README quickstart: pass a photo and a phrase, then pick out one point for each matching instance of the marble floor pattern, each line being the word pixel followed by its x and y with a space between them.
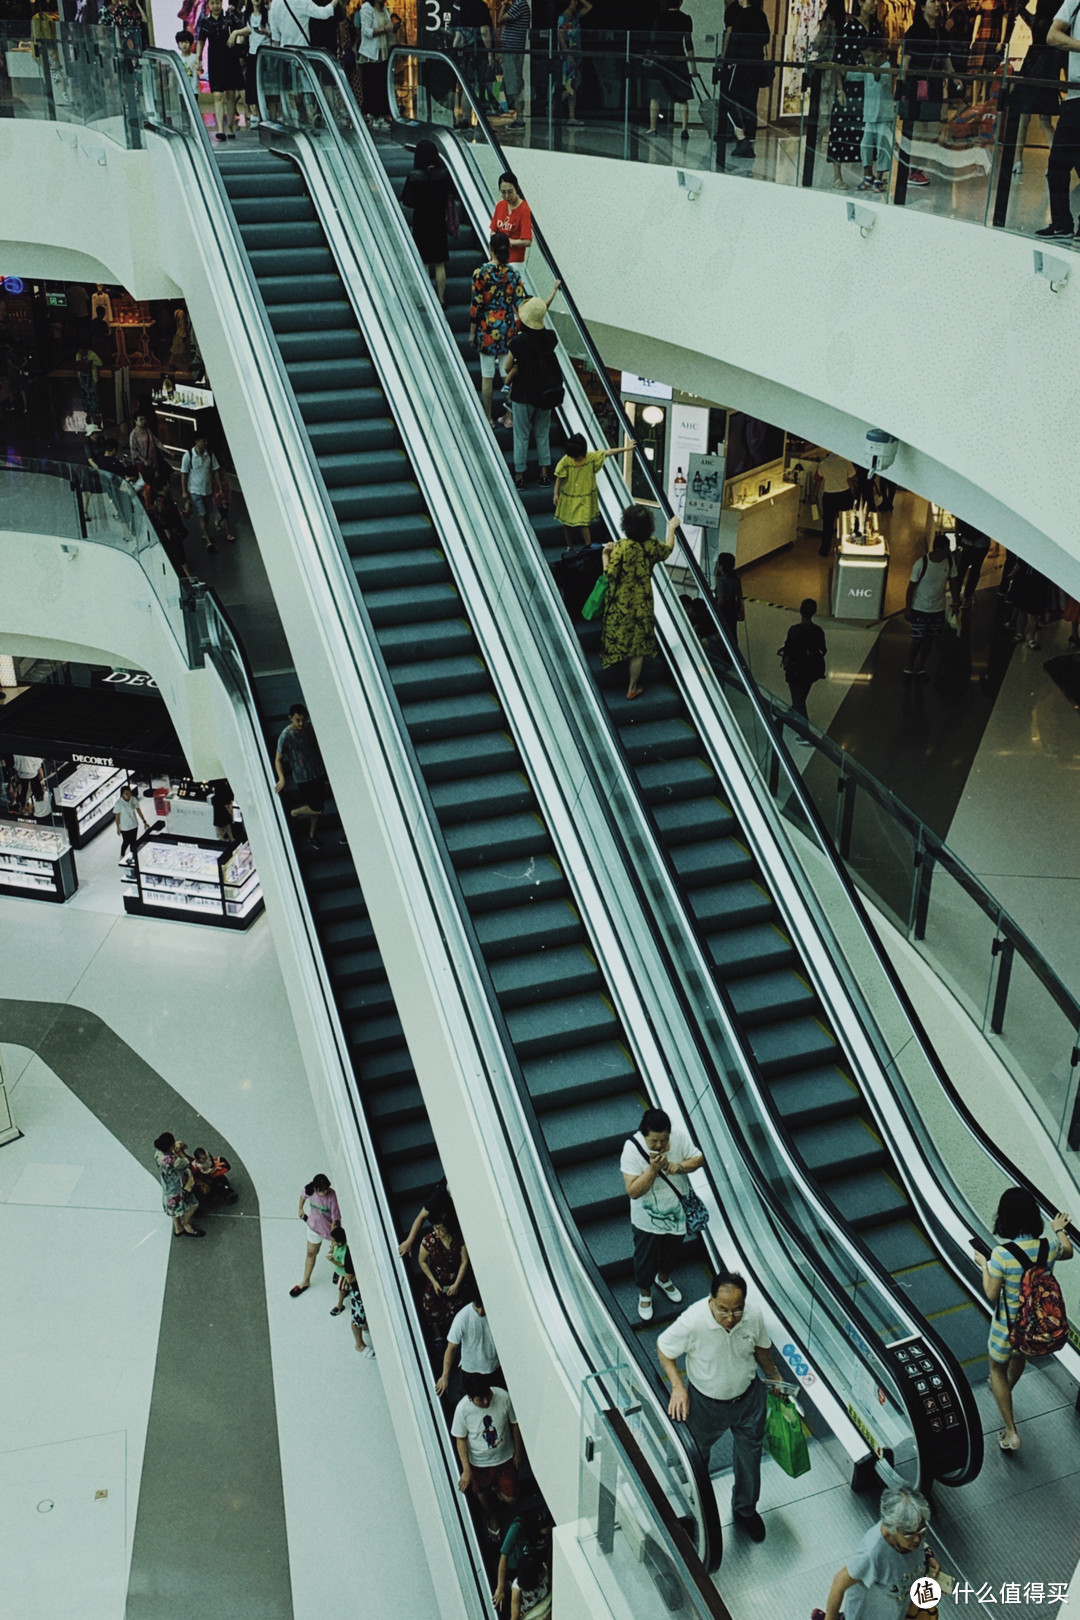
pixel 95 1328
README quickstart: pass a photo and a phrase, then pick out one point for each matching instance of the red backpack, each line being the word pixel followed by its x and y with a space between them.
pixel 1040 1327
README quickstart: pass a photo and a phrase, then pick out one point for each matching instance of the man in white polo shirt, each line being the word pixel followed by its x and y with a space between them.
pixel 725 1342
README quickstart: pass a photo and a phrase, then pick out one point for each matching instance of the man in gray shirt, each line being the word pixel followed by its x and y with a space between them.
pixel 298 753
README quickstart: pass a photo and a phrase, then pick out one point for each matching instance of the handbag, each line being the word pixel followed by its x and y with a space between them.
pixel 697 1216
pixel 922 90
pixel 594 606
pixel 453 216
pixel 784 1436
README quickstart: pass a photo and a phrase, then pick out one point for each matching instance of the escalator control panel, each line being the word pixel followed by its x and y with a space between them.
pixel 933 1404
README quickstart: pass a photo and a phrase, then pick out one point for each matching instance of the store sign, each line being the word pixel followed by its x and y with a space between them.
pixel 14 285
pixel 704 490
pixel 644 387
pixel 93 759
pixel 129 677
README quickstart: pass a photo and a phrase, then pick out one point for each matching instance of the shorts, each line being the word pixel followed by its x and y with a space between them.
pixel 925 626
pixel 312 794
pixel 356 1309
pixel 492 365
pixel 513 66
pixel 314 1237
pixel 202 504
pixel 502 1478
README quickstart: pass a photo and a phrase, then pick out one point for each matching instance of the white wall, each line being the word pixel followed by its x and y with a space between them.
pixel 766 298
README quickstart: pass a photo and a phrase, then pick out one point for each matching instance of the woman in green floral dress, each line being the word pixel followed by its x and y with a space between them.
pixel 629 616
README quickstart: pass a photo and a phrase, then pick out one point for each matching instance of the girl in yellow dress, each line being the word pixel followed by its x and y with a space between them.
pixel 577 501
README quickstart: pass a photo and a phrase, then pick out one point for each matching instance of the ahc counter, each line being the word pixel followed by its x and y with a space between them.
pixel 861 568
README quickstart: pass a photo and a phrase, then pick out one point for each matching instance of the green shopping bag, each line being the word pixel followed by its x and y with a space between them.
pixel 784 1436
pixel 595 604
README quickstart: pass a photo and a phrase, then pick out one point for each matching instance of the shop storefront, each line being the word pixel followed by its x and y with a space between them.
pixel 66 753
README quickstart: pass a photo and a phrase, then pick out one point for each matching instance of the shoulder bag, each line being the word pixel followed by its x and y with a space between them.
pixel 697 1216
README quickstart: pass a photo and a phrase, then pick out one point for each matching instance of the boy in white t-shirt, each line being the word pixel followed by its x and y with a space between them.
pixel 655 1164
pixel 189 57
pixel 489 1445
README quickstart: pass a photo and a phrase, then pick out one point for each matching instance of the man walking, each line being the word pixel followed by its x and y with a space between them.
pixel 298 753
pixel 725 1342
pixel 1065 149
pixel 803 658
pixel 836 492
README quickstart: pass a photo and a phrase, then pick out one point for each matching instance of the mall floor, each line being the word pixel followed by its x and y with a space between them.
pixel 177 1429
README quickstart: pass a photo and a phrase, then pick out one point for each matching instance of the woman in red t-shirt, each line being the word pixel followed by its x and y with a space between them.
pixel 513 218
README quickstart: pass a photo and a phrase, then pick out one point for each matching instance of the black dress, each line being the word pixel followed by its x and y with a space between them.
pixel 224 68
pixel 427 192
pixel 672 40
pixel 846 123
pixel 1042 61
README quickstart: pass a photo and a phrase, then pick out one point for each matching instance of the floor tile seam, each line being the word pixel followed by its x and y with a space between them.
pixel 43 1445
pixel 69 998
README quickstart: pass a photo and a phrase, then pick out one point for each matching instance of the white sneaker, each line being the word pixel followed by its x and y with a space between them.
pixel 644 1307
pixel 670 1290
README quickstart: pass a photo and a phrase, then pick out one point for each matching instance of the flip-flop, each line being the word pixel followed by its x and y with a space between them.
pixel 337 1310
pixel 301 1288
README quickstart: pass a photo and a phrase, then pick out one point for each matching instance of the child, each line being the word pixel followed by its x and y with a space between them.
pixel 879 117
pixel 348 1293
pixel 576 499
pixel 189 57
pixel 211 1177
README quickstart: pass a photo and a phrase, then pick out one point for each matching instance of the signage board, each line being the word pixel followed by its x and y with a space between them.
pixel 704 490
pixel 644 387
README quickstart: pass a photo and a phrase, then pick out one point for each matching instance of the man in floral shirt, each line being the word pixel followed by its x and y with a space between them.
pixel 497 290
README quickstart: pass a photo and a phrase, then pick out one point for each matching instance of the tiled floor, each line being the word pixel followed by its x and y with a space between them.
pixel 87 1251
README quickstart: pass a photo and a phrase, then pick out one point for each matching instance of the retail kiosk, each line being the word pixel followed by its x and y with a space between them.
pixel 861 568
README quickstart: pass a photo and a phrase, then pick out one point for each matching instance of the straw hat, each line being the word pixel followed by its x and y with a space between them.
pixel 533 313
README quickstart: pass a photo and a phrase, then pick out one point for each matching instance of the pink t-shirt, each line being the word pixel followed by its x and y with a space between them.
pixel 322 1212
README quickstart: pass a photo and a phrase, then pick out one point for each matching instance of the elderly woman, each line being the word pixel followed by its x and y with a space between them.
pixel 1019 1222
pixel 875 1583
pixel 629 615
pixel 177 1184
pixel 655 1164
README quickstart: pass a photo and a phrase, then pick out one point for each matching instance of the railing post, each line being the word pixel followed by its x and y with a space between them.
pixel 626 104
pixel 774 768
pixel 846 787
pixel 191 606
pixel 1006 950
pixel 609 1481
pixel 924 863
pixel 1073 1137
pixel 1006 152
pixel 813 118
pixel 721 116
pixel 80 510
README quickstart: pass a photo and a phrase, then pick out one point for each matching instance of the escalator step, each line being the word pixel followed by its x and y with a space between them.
pixel 765 997
pixel 441 639
pixel 296 291
pixel 798 1043
pixel 839 1148
pixel 660 702
pixel 446 759
pixel 965 1332
pixel 347 470
pixel 572 1022
pixel 690 820
pixel 356 374
pixel 543 924
pixel 404 532
pixel 269 236
pixel 502 838
pixel 545 977
pixel 730 905
pixel 513 883
pixel 453 716
pixel 610 1242
pixel 333 315
pixel 868 1198
pixel 410 1181
pixel 660 740
pixel 675 779
pixel 405 1142
pixel 594 1191
pixel 297 261
pixel 260 182
pixel 395 1105
pixel 336 905
pixel 341 404
pixel 361 435
pixel 354 934
pixel 931 1288
pixel 711 859
pixel 339 346
pixel 822 1094
pixel 499 793
pixel 756 949
pixel 384 499
pixel 356 967
pixel 593 1131
pixel 373 999
pixel 605 1069
pixel 437 599
pixel 449 675
pixel 408 569
pixel 390 1067
pixel 270 211
pixel 898 1244
pixel 368 1035
pixel 328 872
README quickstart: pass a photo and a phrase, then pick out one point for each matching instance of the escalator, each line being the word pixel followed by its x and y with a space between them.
pixel 757 966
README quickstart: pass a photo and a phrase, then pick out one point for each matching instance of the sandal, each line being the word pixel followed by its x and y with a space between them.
pixel 337 1310
pixel 195 1231
pixel 301 1288
pixel 635 693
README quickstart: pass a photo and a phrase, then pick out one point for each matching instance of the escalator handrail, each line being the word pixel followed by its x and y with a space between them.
pixel 740 676
pixel 478 968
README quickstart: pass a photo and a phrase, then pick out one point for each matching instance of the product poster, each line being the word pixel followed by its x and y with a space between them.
pixel 688 435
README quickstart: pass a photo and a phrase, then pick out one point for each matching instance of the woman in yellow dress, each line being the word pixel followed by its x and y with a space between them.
pixel 629 616
pixel 577 500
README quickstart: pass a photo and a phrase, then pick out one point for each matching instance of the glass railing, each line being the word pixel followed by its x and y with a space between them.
pixel 997 973
pixel 72 73
pixel 939 141
pixel 82 504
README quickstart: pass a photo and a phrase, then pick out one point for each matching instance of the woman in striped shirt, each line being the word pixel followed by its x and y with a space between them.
pixel 1019 1223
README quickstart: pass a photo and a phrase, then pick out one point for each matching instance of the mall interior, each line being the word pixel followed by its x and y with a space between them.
pixel 334 842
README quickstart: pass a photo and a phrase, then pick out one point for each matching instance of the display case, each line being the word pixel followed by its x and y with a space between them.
pixel 86 798
pixel 861 567
pixel 761 514
pixel 192 880
pixel 36 863
pixel 181 416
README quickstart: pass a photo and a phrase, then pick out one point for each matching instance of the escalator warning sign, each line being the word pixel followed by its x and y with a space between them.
pixel 1074 1337
pixel 865 1430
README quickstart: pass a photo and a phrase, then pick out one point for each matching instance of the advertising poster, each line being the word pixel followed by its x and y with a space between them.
pixel 688 435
